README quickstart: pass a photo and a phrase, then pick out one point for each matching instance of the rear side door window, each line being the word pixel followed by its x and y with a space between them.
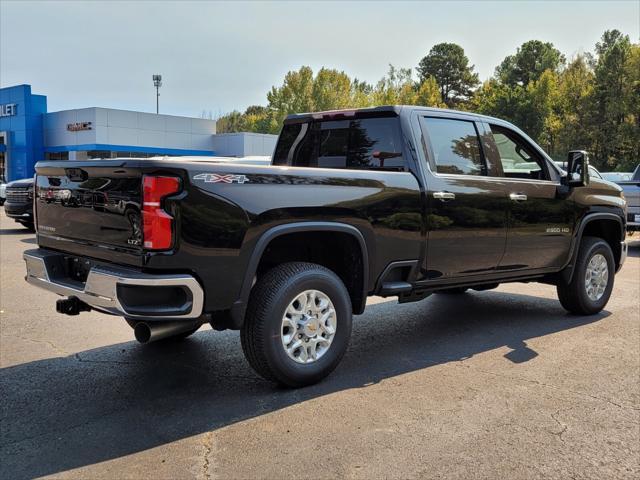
pixel 358 144
pixel 454 146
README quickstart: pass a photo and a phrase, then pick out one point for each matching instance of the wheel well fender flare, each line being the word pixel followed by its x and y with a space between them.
pixel 240 305
pixel 569 269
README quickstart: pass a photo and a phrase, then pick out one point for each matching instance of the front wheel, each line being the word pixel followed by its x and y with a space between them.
pixel 297 325
pixel 592 282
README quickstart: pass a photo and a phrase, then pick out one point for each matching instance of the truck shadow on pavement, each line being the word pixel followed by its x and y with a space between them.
pixel 14 231
pixel 68 412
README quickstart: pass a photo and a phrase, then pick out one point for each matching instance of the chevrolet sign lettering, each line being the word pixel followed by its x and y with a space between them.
pixel 78 126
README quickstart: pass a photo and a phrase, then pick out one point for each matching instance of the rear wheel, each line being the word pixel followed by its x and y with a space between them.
pixel 592 282
pixel 297 325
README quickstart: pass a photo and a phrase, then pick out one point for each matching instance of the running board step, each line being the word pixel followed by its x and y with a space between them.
pixel 390 289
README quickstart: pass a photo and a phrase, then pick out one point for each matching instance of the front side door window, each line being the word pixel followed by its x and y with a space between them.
pixel 519 159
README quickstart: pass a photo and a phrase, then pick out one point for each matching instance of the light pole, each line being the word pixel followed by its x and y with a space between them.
pixel 157 82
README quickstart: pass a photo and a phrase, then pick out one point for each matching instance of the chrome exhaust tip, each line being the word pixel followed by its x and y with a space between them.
pixel 147 332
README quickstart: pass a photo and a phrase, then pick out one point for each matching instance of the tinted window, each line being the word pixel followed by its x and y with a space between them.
pixel 370 143
pixel 455 146
pixel 518 159
pixel 594 173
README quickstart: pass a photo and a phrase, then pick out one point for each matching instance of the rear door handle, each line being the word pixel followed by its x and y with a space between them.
pixel 518 197
pixel 444 195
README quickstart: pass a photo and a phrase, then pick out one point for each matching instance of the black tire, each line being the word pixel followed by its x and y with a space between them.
pixel 28 225
pixel 573 295
pixel 453 291
pixel 262 329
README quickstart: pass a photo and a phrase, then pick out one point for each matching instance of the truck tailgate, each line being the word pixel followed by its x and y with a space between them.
pixel 91 203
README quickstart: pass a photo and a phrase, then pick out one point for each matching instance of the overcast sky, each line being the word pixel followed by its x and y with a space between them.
pixel 219 56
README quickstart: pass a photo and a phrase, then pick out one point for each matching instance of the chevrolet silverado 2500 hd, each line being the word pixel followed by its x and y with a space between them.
pixel 391 201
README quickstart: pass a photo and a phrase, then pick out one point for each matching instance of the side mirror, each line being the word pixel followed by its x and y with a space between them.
pixel 577 169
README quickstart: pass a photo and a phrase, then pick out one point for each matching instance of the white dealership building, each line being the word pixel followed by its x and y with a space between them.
pixel 29 133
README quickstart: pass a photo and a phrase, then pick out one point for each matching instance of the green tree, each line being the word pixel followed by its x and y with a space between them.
pixel 542 114
pixel 575 91
pixel 396 87
pixel 331 90
pixel 632 123
pixel 530 61
pixel 428 94
pixel 230 122
pixel 360 93
pixel 500 100
pixel 613 97
pixel 449 66
pixel 295 95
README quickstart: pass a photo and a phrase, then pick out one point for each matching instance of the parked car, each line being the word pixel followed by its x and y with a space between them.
pixel 593 171
pixel 390 201
pixel 631 191
pixel 617 177
pixel 3 193
pixel 19 202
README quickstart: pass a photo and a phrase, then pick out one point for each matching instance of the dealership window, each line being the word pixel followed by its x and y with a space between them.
pixel 93 154
pixel 56 155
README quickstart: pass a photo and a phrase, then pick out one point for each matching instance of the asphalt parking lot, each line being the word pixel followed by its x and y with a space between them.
pixel 491 384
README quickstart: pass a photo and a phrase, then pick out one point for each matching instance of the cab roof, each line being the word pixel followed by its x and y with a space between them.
pixel 384 110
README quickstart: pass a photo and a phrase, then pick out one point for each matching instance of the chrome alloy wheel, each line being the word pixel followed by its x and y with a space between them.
pixel 308 326
pixel 596 277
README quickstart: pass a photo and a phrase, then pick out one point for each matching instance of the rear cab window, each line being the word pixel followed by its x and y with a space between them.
pixel 357 144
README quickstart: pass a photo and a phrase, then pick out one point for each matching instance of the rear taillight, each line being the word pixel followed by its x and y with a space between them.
pixel 157 224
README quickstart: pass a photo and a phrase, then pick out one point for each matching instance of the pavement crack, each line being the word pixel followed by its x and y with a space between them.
pixel 207 447
pixel 555 387
pixel 84 360
pixel 44 342
pixel 563 426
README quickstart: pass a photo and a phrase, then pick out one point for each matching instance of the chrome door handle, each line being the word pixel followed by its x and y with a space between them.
pixel 444 195
pixel 518 197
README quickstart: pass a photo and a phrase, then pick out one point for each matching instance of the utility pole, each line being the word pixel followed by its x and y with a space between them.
pixel 157 82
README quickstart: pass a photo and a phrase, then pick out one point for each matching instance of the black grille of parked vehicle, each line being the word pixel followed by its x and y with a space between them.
pixel 18 195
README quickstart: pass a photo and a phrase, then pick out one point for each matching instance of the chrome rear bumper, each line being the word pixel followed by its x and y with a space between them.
pixel 103 289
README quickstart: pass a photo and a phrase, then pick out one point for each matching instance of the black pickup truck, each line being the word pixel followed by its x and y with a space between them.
pixel 391 201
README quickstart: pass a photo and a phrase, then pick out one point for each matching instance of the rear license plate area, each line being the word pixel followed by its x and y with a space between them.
pixel 77 268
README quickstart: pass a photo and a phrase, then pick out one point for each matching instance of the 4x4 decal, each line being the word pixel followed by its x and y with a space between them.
pixel 218 178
